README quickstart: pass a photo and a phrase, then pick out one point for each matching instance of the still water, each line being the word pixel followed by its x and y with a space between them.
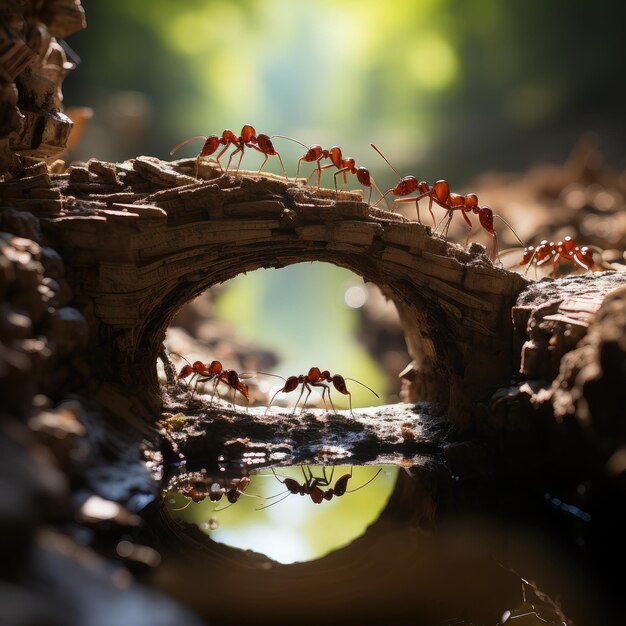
pixel 402 545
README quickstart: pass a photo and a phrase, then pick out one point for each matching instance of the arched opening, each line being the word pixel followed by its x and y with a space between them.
pixel 283 322
pixel 426 324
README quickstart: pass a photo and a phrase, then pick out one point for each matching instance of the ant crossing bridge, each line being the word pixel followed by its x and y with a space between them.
pixel 143 237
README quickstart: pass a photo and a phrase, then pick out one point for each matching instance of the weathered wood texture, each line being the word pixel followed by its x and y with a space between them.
pixel 143 237
pixel 33 65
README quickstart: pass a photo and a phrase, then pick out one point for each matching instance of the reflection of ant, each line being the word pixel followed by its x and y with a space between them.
pixel 248 139
pixel 311 486
pixel 316 378
pixel 440 194
pixel 316 153
pixel 213 371
pixel 550 252
pixel 197 492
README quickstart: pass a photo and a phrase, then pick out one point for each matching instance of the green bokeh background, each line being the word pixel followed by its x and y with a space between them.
pixel 446 88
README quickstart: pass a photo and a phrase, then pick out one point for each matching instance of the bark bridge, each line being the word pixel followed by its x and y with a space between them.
pixel 143 237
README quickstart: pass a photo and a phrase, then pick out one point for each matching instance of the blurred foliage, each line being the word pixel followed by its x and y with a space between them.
pixel 294 529
pixel 446 88
pixel 300 312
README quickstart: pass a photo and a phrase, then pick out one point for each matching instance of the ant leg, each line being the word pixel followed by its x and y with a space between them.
pixel 282 165
pixel 262 164
pixel 272 400
pixel 239 149
pixel 469 227
pixel 324 390
pixel 343 173
pixel 307 396
pixel 219 156
pixel 430 208
pixel 298 400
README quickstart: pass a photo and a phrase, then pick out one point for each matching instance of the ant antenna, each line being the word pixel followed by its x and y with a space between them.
pixel 184 143
pixel 273 503
pixel 510 228
pixel 290 139
pixel 367 483
pixel 268 374
pixel 386 161
pixel 182 508
pixel 363 385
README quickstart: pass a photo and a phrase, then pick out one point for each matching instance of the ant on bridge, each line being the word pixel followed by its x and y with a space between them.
pixel 213 371
pixel 248 139
pixel 316 378
pixel 312 486
pixel 440 194
pixel 316 153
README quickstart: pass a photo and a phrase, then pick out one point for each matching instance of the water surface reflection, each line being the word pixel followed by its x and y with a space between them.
pixel 287 526
pixel 416 545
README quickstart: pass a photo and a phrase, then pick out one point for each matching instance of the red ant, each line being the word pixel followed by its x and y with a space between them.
pixel 407 185
pixel 311 486
pixel 248 139
pixel 441 195
pixel 316 378
pixel 214 371
pixel 554 252
pixel 316 153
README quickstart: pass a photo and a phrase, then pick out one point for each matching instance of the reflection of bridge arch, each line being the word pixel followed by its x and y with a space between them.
pixel 135 256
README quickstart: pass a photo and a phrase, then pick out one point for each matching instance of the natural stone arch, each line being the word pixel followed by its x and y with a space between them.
pixel 143 237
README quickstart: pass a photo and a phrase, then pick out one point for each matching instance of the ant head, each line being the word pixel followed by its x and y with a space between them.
pixel 242 388
pixel 210 145
pixel 342 484
pixel 248 133
pixel 231 377
pixel 265 143
pixel 291 383
pixel 292 485
pixel 185 371
pixel 233 495
pixel 485 217
pixel 585 254
pixel 314 153
pixel 216 492
pixel 340 384
pixel 363 176
pixel 528 255
pixel 314 374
